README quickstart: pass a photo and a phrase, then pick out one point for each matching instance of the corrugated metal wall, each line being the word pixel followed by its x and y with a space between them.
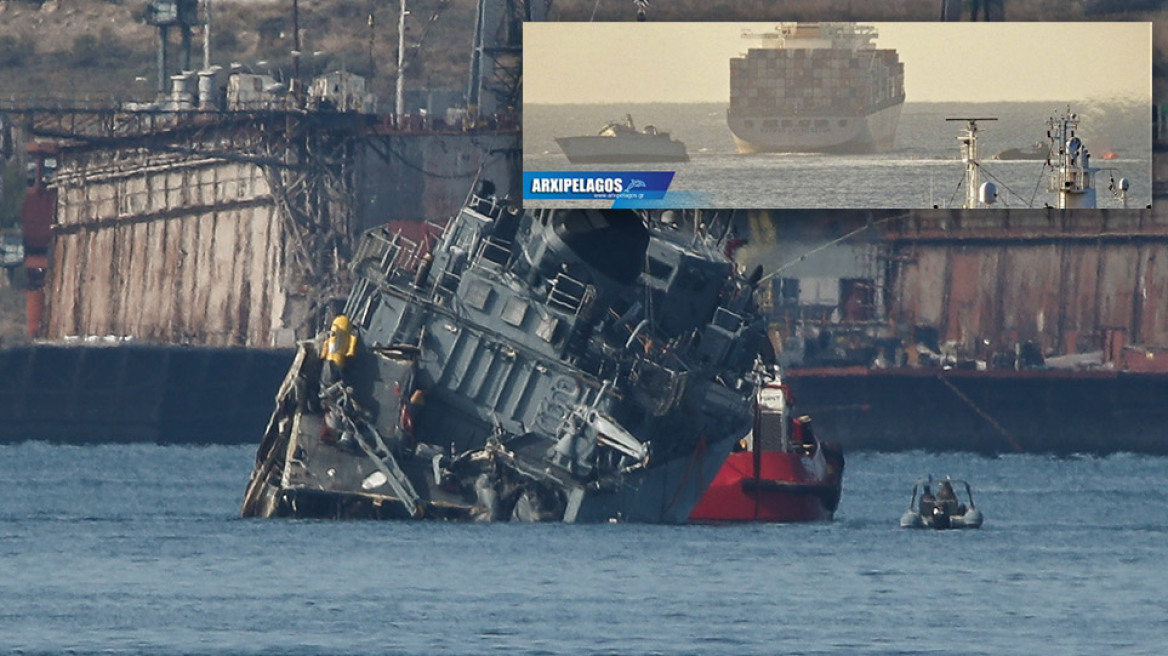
pixel 1061 279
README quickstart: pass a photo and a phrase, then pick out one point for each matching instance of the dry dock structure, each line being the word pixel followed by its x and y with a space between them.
pixel 175 250
pixel 235 230
pixel 207 230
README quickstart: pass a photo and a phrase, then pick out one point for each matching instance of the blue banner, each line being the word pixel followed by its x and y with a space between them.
pixel 620 186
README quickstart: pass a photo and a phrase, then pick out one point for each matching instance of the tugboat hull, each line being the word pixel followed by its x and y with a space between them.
pixel 785 490
pixel 782 474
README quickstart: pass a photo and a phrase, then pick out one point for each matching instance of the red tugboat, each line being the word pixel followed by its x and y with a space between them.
pixel 780 473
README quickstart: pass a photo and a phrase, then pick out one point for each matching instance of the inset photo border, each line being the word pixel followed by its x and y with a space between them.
pixel 841 115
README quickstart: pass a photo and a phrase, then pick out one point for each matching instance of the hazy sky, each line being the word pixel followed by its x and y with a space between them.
pixel 967 62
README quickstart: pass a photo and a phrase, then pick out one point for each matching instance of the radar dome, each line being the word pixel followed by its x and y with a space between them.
pixel 987 193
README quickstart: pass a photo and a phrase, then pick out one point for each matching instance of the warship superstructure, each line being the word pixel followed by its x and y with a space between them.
pixel 815 87
pixel 557 365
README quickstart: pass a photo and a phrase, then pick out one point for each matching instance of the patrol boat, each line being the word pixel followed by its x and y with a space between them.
pixel 621 143
pixel 557 365
pixel 943 511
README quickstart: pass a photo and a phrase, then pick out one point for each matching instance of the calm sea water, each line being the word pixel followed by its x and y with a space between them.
pixel 138 549
pixel 923 170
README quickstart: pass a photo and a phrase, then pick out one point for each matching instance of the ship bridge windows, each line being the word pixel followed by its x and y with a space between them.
pixel 843 122
pixel 611 241
pixel 770 125
pixel 749 123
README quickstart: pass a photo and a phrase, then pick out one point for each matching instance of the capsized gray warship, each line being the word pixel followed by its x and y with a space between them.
pixel 557 365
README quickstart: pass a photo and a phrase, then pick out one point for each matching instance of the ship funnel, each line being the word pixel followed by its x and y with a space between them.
pixel 207 88
pixel 180 92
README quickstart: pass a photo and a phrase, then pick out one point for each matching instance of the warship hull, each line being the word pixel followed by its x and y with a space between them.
pixel 625 149
pixel 323 481
pixel 326 478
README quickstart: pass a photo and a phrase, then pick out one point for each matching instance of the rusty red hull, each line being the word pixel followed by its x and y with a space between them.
pixel 772 487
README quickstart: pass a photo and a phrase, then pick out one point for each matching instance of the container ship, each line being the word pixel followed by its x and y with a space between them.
pixel 815 87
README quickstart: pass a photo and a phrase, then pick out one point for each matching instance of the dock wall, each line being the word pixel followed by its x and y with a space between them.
pixel 94 393
pixel 1097 412
pixel 1068 281
pixel 88 394
pixel 168 248
pixel 240 234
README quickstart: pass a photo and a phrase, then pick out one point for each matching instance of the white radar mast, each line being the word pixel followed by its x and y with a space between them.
pixel 1072 178
pixel 976 195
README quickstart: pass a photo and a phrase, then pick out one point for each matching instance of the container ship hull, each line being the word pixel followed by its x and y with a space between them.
pixel 835 134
